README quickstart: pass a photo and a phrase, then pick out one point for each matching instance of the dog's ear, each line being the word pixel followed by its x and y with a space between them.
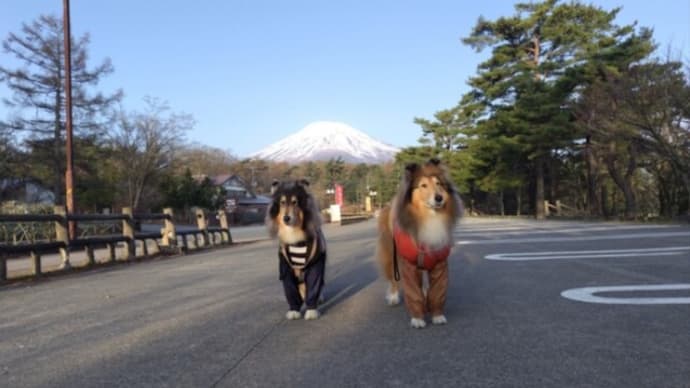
pixel 274 209
pixel 410 170
pixel 274 186
pixel 303 182
pixel 434 161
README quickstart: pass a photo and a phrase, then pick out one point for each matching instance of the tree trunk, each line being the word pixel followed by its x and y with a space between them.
pixel 624 182
pixel 539 189
pixel 553 182
pixel 518 194
pixel 604 201
pixel 625 185
pixel 593 204
pixel 686 180
pixel 501 207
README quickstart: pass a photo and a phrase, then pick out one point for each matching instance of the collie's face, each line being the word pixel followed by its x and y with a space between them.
pixel 432 208
pixel 289 214
pixel 429 192
pixel 427 205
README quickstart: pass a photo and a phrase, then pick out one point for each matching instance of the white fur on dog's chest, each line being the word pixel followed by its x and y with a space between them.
pixel 291 235
pixel 434 232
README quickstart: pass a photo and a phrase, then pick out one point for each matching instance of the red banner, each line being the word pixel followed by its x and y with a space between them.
pixel 338 194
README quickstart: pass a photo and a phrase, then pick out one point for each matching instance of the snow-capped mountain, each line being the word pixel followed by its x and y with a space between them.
pixel 324 140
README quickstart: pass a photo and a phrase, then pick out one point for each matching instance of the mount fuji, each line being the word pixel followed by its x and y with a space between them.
pixel 325 140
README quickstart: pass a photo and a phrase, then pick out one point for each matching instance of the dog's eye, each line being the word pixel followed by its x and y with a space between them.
pixel 294 202
pixel 423 185
pixel 282 202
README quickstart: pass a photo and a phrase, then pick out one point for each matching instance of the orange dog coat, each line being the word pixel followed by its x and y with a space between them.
pixel 408 249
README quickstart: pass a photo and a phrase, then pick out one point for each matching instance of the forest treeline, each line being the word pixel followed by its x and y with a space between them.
pixel 567 106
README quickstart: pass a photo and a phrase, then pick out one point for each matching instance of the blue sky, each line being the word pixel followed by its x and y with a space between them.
pixel 253 72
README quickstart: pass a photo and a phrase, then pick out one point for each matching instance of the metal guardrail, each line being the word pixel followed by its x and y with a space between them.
pixel 168 238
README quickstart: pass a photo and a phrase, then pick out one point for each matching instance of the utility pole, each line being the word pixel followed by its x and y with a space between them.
pixel 69 173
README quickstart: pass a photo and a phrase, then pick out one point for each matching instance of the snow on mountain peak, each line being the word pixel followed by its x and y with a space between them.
pixel 324 140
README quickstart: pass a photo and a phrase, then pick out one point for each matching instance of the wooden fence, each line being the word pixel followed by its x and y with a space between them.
pixel 559 209
pixel 169 239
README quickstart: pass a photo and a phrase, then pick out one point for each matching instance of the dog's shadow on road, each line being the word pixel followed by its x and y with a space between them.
pixel 346 281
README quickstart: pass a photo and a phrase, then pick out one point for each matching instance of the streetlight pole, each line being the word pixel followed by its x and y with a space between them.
pixel 69 172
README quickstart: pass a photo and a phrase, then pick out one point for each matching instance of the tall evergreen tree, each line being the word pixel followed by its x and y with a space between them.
pixel 524 77
pixel 38 96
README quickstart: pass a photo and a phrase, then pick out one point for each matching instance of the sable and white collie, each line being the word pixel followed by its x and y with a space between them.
pixel 293 218
pixel 415 237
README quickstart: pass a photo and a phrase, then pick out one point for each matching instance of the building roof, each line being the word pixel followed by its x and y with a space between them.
pixel 220 179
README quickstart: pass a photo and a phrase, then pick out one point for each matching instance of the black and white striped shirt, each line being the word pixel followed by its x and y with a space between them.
pixel 299 255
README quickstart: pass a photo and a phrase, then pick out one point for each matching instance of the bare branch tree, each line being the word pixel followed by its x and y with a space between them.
pixel 145 144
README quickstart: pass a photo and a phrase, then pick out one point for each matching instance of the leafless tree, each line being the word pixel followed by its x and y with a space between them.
pixel 145 144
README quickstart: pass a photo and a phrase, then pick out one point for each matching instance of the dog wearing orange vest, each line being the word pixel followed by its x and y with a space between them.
pixel 415 238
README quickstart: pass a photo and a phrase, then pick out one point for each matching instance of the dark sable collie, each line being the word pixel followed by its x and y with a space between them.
pixel 416 230
pixel 294 219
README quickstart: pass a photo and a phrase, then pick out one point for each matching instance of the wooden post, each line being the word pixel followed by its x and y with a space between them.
pixel 111 252
pixel 36 263
pixel 185 244
pixel 202 224
pixel 168 236
pixel 128 231
pixel 546 208
pixel 89 255
pixel 144 248
pixel 62 235
pixel 558 208
pixel 3 268
pixel 226 237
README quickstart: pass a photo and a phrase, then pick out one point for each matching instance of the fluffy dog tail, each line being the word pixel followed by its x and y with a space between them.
pixel 385 244
pixel 386 256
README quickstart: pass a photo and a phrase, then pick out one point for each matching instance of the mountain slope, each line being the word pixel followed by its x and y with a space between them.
pixel 324 140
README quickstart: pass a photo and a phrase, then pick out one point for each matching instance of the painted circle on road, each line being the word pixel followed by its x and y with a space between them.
pixel 587 294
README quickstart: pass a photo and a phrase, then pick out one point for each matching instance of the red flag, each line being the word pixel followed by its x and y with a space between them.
pixel 338 194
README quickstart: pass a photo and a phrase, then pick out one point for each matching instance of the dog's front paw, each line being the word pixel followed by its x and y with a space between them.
pixel 417 323
pixel 292 315
pixel 392 298
pixel 311 314
pixel 439 319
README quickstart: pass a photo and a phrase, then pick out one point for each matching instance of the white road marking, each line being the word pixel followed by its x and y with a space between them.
pixel 527 256
pixel 517 230
pixel 557 238
pixel 586 294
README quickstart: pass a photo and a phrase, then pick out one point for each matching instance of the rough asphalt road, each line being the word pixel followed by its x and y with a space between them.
pixel 217 318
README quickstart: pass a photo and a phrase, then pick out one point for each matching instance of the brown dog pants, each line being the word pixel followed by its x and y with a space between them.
pixel 435 299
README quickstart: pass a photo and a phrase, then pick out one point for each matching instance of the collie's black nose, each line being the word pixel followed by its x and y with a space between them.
pixel 286 219
pixel 438 198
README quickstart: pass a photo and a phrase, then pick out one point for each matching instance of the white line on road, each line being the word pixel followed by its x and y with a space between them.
pixel 586 294
pixel 545 229
pixel 574 238
pixel 527 256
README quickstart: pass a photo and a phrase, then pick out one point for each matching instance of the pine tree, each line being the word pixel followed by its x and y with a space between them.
pixel 524 79
pixel 38 97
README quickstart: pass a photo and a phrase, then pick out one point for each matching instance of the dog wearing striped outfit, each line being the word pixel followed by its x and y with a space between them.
pixel 293 218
